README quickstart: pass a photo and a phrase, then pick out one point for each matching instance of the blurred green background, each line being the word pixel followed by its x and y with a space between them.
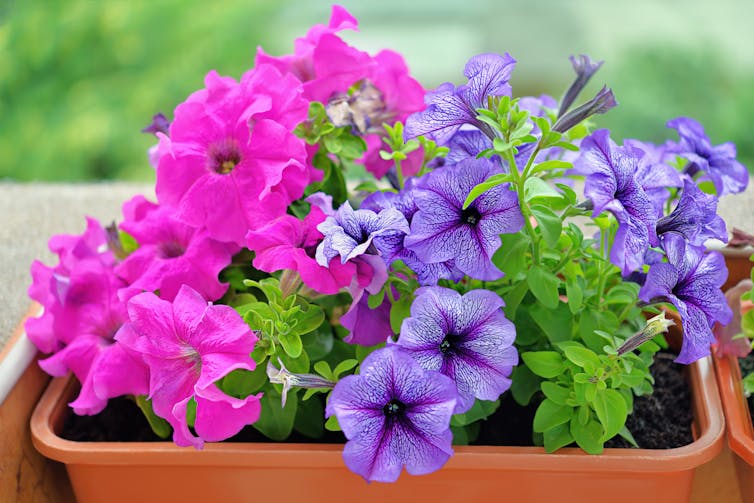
pixel 80 78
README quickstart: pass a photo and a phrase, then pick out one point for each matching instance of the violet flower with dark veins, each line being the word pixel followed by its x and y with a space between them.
pixel 584 68
pixel 612 186
pixel 394 414
pixel 467 338
pixel 694 217
pixel 717 164
pixel 404 201
pixel 350 233
pixel 653 174
pixel 691 281
pixel 449 107
pixel 443 230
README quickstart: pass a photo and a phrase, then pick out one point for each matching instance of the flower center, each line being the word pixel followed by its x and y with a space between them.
pixel 448 343
pixel 470 216
pixel 393 408
pixel 171 250
pixel 224 156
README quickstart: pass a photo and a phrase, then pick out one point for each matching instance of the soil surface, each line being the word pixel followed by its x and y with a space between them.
pixel 747 367
pixel 659 421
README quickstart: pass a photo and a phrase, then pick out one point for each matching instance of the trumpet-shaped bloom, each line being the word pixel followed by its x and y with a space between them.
pixel 691 281
pixel 653 174
pixel 611 185
pixel 394 414
pixel 350 233
pixel 171 253
pixel 695 217
pixel 443 230
pixel 290 243
pixel 188 346
pixel 231 162
pixel 717 163
pixel 449 107
pixel 467 338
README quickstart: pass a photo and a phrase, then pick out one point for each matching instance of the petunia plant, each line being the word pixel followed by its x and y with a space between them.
pixel 501 245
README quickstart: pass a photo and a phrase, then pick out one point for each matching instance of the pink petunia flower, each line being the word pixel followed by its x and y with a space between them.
pixel 171 253
pixel 189 345
pixel 360 90
pixel 290 243
pixel 231 162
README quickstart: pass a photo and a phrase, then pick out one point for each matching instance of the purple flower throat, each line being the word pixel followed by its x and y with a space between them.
pixel 223 156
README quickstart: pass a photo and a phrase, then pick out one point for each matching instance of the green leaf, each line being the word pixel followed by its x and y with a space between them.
pixel 399 311
pixel 511 256
pixel 483 187
pixel 309 319
pixel 557 437
pixel 159 426
pixel 544 285
pixel 276 422
pixel 555 393
pixel 547 364
pixel 557 324
pixel 592 320
pixel 323 369
pixel 588 436
pixel 551 165
pixel 460 436
pixel 628 436
pixel 309 420
pixel 319 343
pixel 513 299
pixel 549 415
pixel 524 383
pixel 575 295
pixel 536 188
pixel 375 301
pixel 612 412
pixel 298 365
pixel 344 366
pixel 580 355
pixel 292 344
pixel 241 383
pixel 481 409
pixel 332 423
pixel 549 222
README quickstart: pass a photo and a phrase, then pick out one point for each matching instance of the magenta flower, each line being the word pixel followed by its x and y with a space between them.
pixel 171 253
pixel 289 243
pixel 329 68
pixel 79 294
pixel 467 338
pixel 231 162
pixel 188 346
pixel 394 414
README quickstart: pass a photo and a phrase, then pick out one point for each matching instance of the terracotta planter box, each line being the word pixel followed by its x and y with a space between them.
pixel 128 472
pixel 740 431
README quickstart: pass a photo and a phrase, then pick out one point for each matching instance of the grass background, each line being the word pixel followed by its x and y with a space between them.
pixel 80 78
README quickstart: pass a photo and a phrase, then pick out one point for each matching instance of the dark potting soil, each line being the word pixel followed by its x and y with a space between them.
pixel 746 365
pixel 661 420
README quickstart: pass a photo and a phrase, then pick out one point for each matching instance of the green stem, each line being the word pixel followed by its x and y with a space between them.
pixel 602 269
pixel 520 180
pixel 399 172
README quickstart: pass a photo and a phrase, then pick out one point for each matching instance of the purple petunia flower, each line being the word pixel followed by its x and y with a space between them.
pixel 695 217
pixel 653 174
pixel 404 201
pixel 467 338
pixel 449 107
pixel 394 414
pixel 718 164
pixel 612 186
pixel 691 281
pixel 350 233
pixel 443 230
